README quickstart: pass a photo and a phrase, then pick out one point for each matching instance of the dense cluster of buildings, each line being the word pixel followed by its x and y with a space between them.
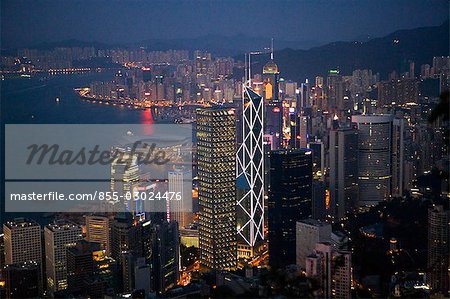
pixel 278 165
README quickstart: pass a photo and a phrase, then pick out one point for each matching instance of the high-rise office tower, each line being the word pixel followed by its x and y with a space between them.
pixel 124 175
pixel 250 171
pixel 58 236
pixel 273 124
pixel 179 183
pixel 303 95
pixel 335 90
pixel 290 194
pixel 22 241
pixel 318 153
pixel 166 256
pixel 216 160
pixel 21 280
pixel 271 77
pixel 303 130
pixel 318 93
pixel 81 270
pixel 98 230
pixel 438 249
pixel 374 157
pixel 23 244
pixel 124 236
pixel 343 155
pixel 398 154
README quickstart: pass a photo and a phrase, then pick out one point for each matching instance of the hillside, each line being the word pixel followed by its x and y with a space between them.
pixel 382 55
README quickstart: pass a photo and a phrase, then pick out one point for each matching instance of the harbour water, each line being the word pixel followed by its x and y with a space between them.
pixel 51 100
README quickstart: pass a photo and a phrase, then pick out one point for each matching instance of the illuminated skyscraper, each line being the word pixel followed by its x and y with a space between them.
pixel 374 157
pixel 98 230
pixel 58 237
pixel 271 79
pixel 250 171
pixel 274 109
pixel 125 176
pixel 181 210
pixel 216 159
pixel 22 241
pixel 23 244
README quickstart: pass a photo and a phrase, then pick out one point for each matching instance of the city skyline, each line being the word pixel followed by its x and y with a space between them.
pixel 281 173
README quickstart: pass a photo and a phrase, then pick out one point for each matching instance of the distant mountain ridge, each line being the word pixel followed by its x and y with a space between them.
pixel 216 44
pixel 383 55
pixel 297 61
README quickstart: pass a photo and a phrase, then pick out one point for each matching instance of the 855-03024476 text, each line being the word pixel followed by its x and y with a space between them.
pixel 97 195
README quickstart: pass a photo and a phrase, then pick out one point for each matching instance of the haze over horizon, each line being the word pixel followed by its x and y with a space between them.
pixel 27 23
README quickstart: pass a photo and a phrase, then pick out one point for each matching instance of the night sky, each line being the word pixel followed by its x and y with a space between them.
pixel 25 23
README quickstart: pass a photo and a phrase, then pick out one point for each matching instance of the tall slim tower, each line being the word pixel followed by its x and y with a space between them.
pixel 216 159
pixel 343 170
pixel 98 230
pixel 250 170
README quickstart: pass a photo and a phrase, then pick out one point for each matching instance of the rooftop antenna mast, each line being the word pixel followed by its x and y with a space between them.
pixel 271 49
pixel 246 69
pixel 249 69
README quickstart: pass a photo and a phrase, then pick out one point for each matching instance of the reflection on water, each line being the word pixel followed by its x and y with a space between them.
pixel 32 101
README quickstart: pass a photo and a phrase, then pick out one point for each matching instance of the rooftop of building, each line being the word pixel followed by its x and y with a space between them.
pixel 313 222
pixel 21 223
pixel 271 68
pixel 62 224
